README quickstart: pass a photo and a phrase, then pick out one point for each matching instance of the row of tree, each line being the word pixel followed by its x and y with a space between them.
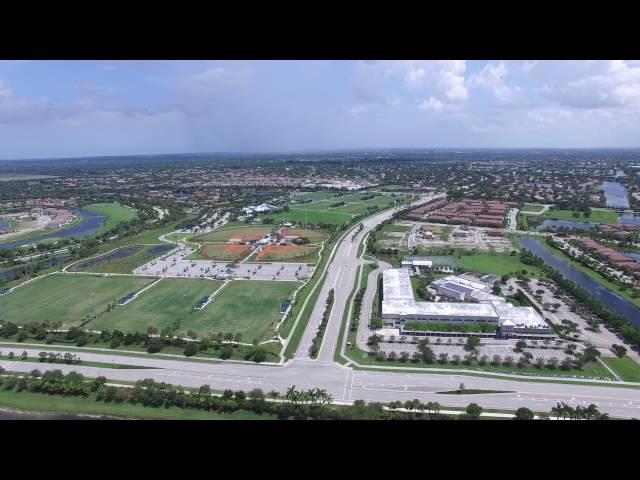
pixel 317 340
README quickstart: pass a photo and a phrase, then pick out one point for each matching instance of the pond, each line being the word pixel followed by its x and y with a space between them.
pixel 4 225
pixel 10 274
pixel 613 301
pixel 92 223
pixel 616 194
pixel 629 219
pixel 573 225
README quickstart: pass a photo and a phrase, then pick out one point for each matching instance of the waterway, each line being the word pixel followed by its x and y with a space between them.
pixel 613 301
pixel 615 194
pixel 91 223
pixel 571 224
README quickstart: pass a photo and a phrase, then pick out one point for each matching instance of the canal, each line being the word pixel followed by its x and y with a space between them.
pixel 613 301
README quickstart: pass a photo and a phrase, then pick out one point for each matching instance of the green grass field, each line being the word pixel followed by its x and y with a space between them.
pixel 315 196
pixel 297 254
pixel 597 216
pixel 628 370
pixel 532 208
pixel 299 215
pixel 114 212
pixel 255 232
pixel 160 306
pixel 51 404
pixel 67 298
pixel 226 253
pixel 495 264
pixel 314 236
pixel 115 263
pixel 249 307
pixel 395 228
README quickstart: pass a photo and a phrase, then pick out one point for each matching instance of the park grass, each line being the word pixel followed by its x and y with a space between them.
pixel 67 298
pixel 301 215
pixel 315 196
pixel 54 404
pixel 395 228
pixel 628 369
pixel 532 208
pixel 115 213
pixel 624 292
pixel 596 216
pixel 160 306
pixel 141 255
pixel 249 307
pixel 496 264
pixel 223 235
pixel 314 236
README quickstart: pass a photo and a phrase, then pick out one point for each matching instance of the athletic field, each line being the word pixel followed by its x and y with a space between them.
pixel 67 298
pixel 254 232
pixel 227 253
pixel 160 306
pixel 288 253
pixel 314 236
pixel 249 307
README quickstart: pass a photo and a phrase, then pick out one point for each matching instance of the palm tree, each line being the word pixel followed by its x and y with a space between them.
pixel 592 412
pixel 558 410
pixel 291 392
pixel 273 394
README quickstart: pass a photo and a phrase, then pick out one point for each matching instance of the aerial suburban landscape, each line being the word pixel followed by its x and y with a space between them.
pixel 366 284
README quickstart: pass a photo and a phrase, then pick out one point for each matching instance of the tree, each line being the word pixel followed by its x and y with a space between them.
pixel 190 349
pixel 227 352
pixel 192 335
pixel 238 337
pixel 523 413
pixel 474 410
pixel 472 344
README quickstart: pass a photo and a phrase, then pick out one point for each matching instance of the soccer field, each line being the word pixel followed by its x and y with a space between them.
pixel 160 306
pixel 67 298
pixel 249 307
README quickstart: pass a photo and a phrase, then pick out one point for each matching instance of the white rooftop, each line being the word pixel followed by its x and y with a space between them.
pixel 397 284
pixel 523 317
pixel 483 311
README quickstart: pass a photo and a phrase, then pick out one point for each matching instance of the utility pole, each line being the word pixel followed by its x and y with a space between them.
pixel 93 302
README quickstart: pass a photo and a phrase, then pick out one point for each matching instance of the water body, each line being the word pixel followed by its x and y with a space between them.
pixel 4 225
pixel 629 219
pixel 614 302
pixel 10 274
pixel 91 224
pixel 573 225
pixel 615 194
pixel 620 173
pixel 635 256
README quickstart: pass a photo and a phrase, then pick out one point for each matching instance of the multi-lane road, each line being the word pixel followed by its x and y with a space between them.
pixel 347 384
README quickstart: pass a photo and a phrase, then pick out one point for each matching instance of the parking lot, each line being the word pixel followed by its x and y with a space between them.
pixel 173 264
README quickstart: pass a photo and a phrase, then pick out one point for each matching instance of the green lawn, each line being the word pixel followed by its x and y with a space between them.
pixel 254 232
pixel 628 370
pixel 67 298
pixel 532 208
pixel 300 215
pixel 395 228
pixel 160 306
pixel 249 307
pixel 115 213
pixel 495 264
pixel 39 402
pixel 597 216
pixel 315 196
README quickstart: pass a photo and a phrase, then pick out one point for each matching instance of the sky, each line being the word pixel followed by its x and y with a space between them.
pixel 54 109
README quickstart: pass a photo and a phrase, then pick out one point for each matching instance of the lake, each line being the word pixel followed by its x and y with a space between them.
pixel 573 225
pixel 91 224
pixel 613 301
pixel 629 219
pixel 615 194
pixel 4 225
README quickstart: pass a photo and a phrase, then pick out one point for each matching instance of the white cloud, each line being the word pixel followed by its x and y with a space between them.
pixel 431 104
pixel 493 78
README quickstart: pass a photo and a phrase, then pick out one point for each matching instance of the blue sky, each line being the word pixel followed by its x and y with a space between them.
pixel 81 108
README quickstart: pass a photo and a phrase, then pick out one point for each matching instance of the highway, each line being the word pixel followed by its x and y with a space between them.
pixel 346 384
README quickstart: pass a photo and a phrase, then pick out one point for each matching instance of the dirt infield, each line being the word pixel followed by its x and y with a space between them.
pixel 288 253
pixel 224 252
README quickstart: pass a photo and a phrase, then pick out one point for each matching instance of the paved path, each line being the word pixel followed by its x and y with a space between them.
pixel 364 332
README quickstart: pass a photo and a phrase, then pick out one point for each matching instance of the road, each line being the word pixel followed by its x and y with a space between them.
pixel 513 219
pixel 364 332
pixel 341 276
pixel 347 385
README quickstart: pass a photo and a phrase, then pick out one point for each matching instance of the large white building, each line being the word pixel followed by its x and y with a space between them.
pixel 474 303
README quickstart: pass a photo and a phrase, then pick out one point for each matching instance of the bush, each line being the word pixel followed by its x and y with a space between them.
pixel 191 349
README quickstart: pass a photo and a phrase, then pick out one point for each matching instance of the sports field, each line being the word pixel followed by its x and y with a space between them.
pixel 114 212
pixel 254 232
pixel 288 253
pixel 227 253
pixel 160 306
pixel 67 298
pixel 495 264
pixel 243 306
pixel 314 236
